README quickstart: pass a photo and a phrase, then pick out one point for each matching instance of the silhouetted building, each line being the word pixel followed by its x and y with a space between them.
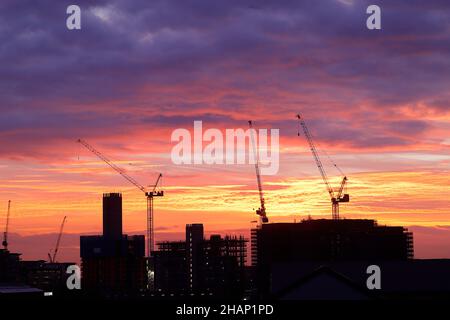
pixel 194 240
pixel 112 215
pixel 199 266
pixel 113 263
pixel 329 240
pixel 49 277
pixel 324 241
pixel 9 267
pixel 223 270
pixel 12 279
pixel 170 263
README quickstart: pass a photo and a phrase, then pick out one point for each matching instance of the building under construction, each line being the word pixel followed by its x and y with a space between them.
pixel 326 241
pixel 9 266
pixel 214 266
pixel 330 240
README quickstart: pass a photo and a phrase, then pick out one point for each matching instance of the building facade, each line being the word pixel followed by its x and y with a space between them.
pixel 113 263
pixel 214 266
pixel 323 241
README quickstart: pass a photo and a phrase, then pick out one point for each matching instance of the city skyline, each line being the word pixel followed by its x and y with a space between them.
pixel 377 103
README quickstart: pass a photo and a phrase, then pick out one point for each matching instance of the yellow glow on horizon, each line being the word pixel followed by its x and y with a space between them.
pixel 396 198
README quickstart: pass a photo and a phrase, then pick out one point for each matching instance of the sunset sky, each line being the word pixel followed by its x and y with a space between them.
pixel 377 101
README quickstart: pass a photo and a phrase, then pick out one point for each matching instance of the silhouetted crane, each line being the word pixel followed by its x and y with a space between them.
pixel 53 258
pixel 335 198
pixel 261 211
pixel 148 194
pixel 5 234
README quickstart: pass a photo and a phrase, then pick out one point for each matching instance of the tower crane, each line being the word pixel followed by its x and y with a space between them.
pixel 148 194
pixel 5 234
pixel 261 211
pixel 338 197
pixel 52 258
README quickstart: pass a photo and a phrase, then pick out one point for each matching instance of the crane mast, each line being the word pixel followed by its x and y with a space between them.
pixel 335 199
pixel 55 252
pixel 5 233
pixel 150 212
pixel 262 209
pixel 149 195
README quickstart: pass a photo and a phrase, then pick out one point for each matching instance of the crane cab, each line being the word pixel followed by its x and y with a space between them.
pixel 262 214
pixel 154 194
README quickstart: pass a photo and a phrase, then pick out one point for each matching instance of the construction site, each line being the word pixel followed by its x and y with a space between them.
pixel 287 258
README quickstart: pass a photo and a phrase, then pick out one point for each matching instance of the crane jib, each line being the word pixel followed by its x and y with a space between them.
pixel 335 199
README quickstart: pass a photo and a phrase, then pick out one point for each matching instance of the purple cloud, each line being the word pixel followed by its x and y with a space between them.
pixel 155 60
